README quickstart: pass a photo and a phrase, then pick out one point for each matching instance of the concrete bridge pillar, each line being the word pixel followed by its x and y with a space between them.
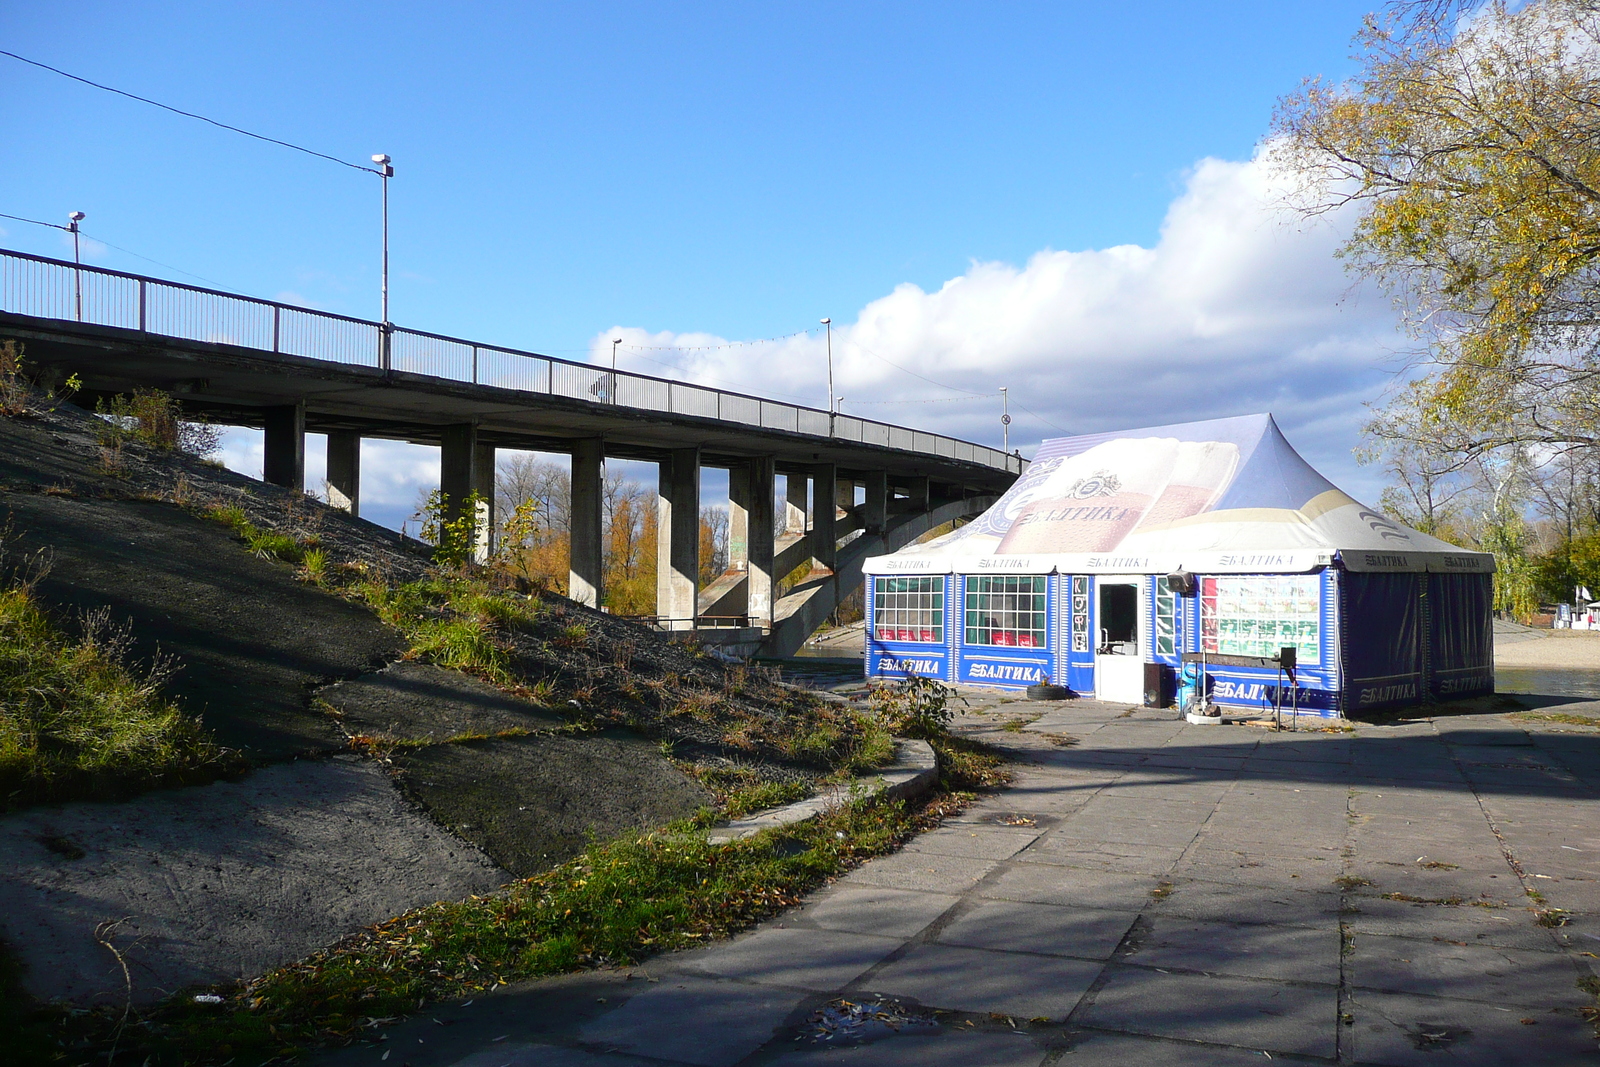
pixel 466 466
pixel 794 507
pixel 344 470
pixel 586 567
pixel 750 534
pixel 876 504
pixel 917 494
pixel 824 512
pixel 283 460
pixel 678 538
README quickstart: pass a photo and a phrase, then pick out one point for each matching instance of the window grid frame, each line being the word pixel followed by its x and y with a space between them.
pixel 912 604
pixel 1015 605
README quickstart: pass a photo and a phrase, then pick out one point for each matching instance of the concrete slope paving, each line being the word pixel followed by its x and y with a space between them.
pixel 218 882
pixel 1146 893
pixel 252 640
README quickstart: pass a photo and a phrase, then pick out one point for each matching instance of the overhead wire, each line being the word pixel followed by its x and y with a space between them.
pixel 190 114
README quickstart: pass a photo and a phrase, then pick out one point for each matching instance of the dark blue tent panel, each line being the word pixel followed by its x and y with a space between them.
pixel 1460 620
pixel 1383 639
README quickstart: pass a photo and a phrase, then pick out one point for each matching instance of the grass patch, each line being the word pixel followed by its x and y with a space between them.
pixel 616 904
pixel 78 721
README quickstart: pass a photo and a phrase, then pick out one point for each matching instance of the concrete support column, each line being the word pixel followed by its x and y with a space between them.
pixel 678 538
pixel 344 470
pixel 824 524
pixel 877 502
pixel 845 495
pixel 762 543
pixel 586 566
pixel 283 460
pixel 738 517
pixel 483 461
pixel 464 465
pixel 918 490
pixel 795 500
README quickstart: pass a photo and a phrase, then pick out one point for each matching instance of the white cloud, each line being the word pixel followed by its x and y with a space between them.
pixel 1239 307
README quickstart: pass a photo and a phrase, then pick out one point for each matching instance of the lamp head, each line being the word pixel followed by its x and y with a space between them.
pixel 826 322
pixel 380 158
pixel 77 217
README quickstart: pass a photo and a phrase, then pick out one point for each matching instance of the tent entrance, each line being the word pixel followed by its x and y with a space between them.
pixel 1118 661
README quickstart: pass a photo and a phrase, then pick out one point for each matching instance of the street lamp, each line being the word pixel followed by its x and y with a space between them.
pixel 77 261
pixel 1005 419
pixel 615 341
pixel 385 171
pixel 829 324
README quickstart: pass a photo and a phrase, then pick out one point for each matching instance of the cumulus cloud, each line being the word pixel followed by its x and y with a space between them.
pixel 1239 307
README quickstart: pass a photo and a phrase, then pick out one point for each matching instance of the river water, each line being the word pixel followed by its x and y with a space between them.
pixel 1546 681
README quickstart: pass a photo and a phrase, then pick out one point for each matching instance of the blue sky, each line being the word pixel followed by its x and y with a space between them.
pixel 699 171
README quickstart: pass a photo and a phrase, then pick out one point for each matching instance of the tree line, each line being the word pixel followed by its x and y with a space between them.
pixel 1468 146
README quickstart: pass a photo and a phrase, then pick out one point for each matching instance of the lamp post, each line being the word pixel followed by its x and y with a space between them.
pixel 385 171
pixel 615 341
pixel 828 322
pixel 1005 420
pixel 77 261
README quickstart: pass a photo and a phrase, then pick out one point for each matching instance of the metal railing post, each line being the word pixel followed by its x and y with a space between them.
pixel 474 364
pixel 277 327
pixel 384 333
pixel 142 302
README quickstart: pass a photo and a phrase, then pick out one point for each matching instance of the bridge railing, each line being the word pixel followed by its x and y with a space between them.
pixel 55 289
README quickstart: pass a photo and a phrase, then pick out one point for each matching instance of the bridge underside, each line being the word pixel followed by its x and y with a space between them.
pixel 905 493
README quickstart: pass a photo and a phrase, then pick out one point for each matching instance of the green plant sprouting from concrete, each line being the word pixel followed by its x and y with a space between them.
pixel 913 707
pixel 78 721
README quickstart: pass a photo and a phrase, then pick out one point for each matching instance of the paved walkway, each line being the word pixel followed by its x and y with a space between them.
pixel 1155 894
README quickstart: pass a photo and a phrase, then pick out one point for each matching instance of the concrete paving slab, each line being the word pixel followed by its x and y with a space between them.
pixel 1494 975
pixel 1258 868
pixel 873 910
pixel 1050 884
pixel 1231 902
pixel 952 1048
pixel 1501 927
pixel 1399 1030
pixel 525 1055
pixel 791 957
pixel 1119 856
pixel 923 871
pixel 993 843
pixel 731 1020
pixel 1250 1014
pixel 1014 926
pixel 1130 1050
pixel 969 979
pixel 1126 830
pixel 1247 950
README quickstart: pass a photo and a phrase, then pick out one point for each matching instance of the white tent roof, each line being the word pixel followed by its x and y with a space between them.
pixel 1217 497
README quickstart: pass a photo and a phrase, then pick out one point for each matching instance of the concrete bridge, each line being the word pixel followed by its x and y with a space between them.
pixel 289 370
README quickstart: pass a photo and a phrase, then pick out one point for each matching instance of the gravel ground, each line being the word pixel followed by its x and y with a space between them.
pixel 1553 649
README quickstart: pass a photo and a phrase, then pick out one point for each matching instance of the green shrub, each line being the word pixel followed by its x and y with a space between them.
pixel 913 707
pixel 77 722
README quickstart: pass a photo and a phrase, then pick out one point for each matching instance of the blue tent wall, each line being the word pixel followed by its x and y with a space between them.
pixel 1460 620
pixel 1381 631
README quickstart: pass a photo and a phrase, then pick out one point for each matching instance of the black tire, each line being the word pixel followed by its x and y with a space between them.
pixel 1048 692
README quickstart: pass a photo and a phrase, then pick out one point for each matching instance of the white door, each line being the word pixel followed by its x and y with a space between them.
pixel 1119 634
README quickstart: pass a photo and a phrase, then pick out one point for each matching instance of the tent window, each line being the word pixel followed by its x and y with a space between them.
pixel 1005 610
pixel 1166 620
pixel 908 609
pixel 1255 615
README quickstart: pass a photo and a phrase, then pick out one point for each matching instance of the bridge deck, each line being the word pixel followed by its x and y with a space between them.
pixel 231 357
